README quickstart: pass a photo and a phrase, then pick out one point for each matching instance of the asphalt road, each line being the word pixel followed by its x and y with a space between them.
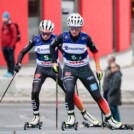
pixel 13 117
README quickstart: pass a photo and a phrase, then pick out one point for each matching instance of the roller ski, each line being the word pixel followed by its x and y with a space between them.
pixel 114 125
pixel 88 125
pixel 35 123
pixel 70 124
pixel 122 127
pixel 88 118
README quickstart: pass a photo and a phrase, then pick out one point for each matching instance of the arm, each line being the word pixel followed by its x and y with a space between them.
pixel 14 34
pixel 53 45
pixel 94 51
pixel 96 57
pixel 24 51
pixel 22 54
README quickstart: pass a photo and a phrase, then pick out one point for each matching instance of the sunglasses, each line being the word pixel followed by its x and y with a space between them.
pixel 47 34
pixel 112 67
pixel 75 28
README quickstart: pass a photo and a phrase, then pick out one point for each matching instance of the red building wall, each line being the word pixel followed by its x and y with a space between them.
pixel 51 10
pixel 97 15
pixel 18 10
pixel 123 24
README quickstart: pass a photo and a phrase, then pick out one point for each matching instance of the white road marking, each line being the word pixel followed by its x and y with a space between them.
pixel 13 126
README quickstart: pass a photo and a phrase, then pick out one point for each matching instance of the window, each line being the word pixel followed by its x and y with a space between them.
pixel 34 16
pixel 33 20
pixel 67 8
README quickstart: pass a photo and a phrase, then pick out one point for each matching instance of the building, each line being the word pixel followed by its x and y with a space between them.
pixel 107 21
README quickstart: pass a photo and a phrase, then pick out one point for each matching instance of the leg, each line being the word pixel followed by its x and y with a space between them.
pixel 91 85
pixel 38 80
pixel 112 110
pixel 105 95
pixel 78 103
pixel 77 100
pixel 69 82
pixel 11 60
pixel 115 112
pixel 5 54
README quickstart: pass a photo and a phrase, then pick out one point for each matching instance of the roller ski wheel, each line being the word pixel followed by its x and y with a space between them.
pixel 28 125
pixel 40 125
pixel 129 127
pixel 124 127
pixel 76 126
pixel 88 125
pixel 66 126
pixel 107 125
pixel 63 126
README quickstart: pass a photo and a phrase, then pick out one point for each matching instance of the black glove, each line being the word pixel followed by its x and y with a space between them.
pixel 17 67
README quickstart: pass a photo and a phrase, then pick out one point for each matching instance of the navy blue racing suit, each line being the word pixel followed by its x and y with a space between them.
pixel 44 66
pixel 76 66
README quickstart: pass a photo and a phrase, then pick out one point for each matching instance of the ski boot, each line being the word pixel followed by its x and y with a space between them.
pixel 93 121
pixel 112 124
pixel 35 123
pixel 71 123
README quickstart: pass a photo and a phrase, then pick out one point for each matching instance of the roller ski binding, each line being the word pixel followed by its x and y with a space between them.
pixel 70 124
pixel 123 127
pixel 88 125
pixel 35 123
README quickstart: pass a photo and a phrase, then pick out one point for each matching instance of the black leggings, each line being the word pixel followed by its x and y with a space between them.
pixel 71 74
pixel 9 57
pixel 40 76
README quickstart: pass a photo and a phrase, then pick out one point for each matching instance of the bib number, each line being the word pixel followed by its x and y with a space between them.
pixel 74 57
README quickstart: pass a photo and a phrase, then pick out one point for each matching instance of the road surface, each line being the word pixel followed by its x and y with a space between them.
pixel 13 117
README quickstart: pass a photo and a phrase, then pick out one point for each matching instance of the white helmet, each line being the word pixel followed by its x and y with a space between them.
pixel 75 20
pixel 46 25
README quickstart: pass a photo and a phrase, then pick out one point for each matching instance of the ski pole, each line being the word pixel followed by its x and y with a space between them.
pixel 7 87
pixel 56 101
pixel 101 111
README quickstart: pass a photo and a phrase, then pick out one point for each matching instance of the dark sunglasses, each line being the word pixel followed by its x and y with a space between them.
pixel 47 34
pixel 112 67
pixel 75 28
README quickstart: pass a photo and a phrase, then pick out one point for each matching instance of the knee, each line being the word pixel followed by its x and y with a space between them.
pixel 34 94
pixel 98 98
pixel 69 89
pixel 68 86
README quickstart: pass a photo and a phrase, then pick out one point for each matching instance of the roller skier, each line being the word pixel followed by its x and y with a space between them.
pixel 42 42
pixel 74 44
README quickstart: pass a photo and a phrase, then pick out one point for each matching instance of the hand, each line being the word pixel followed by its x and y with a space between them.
pixel 99 74
pixel 55 67
pixel 17 67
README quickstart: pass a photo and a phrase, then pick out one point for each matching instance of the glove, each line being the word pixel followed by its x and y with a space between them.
pixel 99 75
pixel 55 68
pixel 17 67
